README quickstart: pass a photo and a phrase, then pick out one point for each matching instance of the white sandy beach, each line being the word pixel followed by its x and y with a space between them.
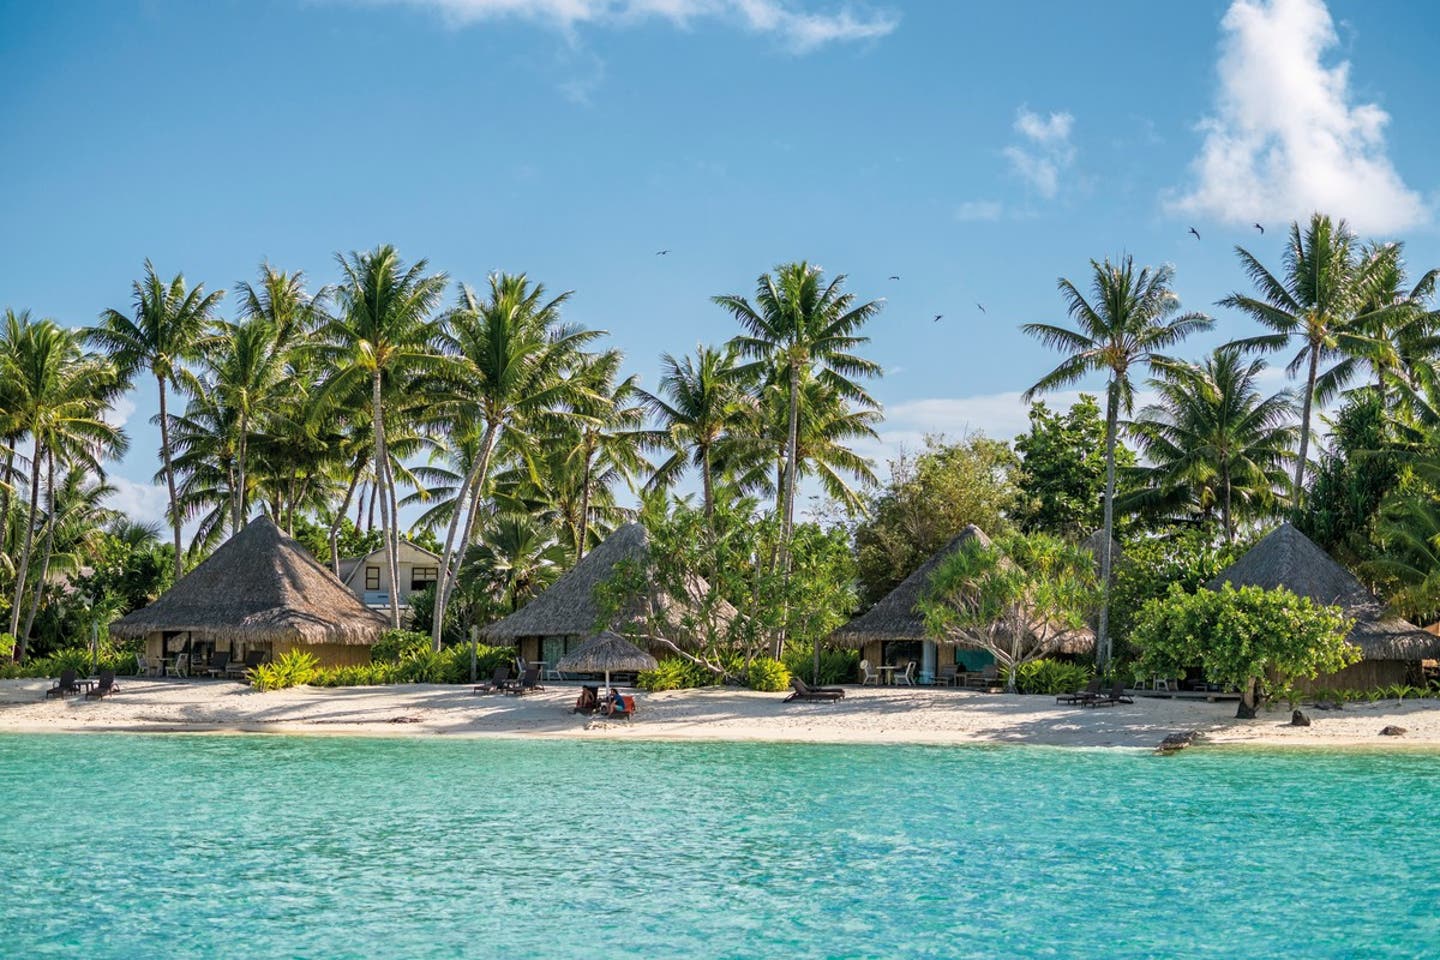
pixel 867 715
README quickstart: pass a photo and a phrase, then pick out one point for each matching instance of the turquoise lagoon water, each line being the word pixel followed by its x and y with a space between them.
pixel 252 846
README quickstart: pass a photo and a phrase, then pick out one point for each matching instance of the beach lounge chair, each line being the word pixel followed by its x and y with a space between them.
pixel 947 675
pixel 497 680
pixel 144 667
pixel 803 691
pixel 530 681
pixel 1116 695
pixel 219 660
pixel 986 679
pixel 64 687
pixel 588 701
pixel 868 674
pixel 1091 691
pixel 104 688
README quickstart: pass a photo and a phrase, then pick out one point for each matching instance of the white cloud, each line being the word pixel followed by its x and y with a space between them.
pixel 801 29
pixel 1286 138
pixel 120 411
pixel 972 210
pixel 1046 151
pixel 144 502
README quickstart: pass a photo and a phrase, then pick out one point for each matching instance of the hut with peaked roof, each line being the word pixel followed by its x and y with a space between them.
pixel 260 590
pixel 557 621
pixel 1392 647
pixel 893 630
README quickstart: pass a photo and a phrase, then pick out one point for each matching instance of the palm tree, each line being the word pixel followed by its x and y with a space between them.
pixel 74 527
pixel 1213 441
pixel 1129 318
pixel 163 330
pixel 382 336
pixel 59 395
pixel 511 354
pixel 1396 315
pixel 807 328
pixel 606 415
pixel 515 560
pixel 700 405
pixel 1316 305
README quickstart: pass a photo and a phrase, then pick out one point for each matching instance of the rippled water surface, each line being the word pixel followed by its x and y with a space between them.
pixel 249 846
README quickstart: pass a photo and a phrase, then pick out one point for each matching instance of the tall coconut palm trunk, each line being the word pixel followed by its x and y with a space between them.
pixel 792 443
pixel 24 566
pixel 382 472
pixel 334 531
pixel 1112 427
pixel 470 490
pixel 1305 426
pixel 49 551
pixel 170 479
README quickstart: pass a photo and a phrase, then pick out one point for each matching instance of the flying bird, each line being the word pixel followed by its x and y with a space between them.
pixel 1196 232
pixel 895 276
pixel 662 253
pixel 1261 229
pixel 982 307
pixel 937 318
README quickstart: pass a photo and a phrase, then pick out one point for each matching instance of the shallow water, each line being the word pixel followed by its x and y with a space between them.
pixel 257 846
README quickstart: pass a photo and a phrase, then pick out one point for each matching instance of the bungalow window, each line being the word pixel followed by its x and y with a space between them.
pixel 422 577
pixel 372 578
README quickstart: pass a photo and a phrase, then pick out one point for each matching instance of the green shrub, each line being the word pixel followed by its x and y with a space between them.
pixel 293 669
pixel 767 675
pixel 7 645
pixel 395 645
pixel 1052 677
pixel 676 674
pixel 836 666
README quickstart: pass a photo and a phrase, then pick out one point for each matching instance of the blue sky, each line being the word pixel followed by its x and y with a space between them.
pixel 978 151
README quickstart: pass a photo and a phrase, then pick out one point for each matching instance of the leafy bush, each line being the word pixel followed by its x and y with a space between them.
pixel 836 666
pixel 7 645
pixel 767 675
pixel 676 674
pixel 358 675
pixel 71 658
pixel 395 645
pixel 1052 677
pixel 293 669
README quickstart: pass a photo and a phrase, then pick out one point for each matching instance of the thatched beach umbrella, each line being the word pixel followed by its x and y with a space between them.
pixel 604 652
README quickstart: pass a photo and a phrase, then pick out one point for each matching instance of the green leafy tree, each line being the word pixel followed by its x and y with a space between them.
pixel 807 329
pixel 1129 318
pixel 1062 476
pixel 1022 597
pixel 1315 305
pixel 1257 641
pixel 1354 478
pixel 164 329
pixel 1212 442
pixel 930 497
pixel 382 337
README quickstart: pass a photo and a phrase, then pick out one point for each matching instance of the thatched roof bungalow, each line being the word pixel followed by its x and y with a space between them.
pixel 893 630
pixel 560 619
pixel 259 590
pixel 1287 558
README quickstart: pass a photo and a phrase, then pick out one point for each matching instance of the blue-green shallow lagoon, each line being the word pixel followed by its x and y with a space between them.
pixel 251 846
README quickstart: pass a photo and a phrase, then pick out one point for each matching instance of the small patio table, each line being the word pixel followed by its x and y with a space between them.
pixel 887 675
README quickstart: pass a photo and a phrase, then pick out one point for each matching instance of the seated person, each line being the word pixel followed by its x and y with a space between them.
pixel 589 700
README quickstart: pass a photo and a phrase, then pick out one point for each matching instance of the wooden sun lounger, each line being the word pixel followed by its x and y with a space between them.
pixel 497 680
pixel 803 691
pixel 104 688
pixel 1116 695
pixel 1091 692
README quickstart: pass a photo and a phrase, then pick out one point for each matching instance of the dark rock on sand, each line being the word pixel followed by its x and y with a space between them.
pixel 1176 742
pixel 1298 718
pixel 1392 731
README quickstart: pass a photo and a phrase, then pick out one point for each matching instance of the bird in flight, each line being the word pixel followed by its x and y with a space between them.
pixel 982 307
pixel 895 276
pixel 662 253
pixel 1261 229
pixel 1196 232
pixel 937 318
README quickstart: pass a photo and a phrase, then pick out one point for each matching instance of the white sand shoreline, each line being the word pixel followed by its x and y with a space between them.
pixel 867 716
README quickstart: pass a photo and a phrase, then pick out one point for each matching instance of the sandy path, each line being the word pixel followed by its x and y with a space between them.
pixel 865 716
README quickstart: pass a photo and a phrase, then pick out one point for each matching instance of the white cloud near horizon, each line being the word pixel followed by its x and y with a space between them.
pixel 800 28
pixel 1286 138
pixel 1045 151
pixel 142 502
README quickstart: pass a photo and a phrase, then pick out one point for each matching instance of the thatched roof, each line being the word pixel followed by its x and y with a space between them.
pixel 1095 543
pixel 259 586
pixel 568 607
pixel 1287 558
pixel 897 616
pixel 606 652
